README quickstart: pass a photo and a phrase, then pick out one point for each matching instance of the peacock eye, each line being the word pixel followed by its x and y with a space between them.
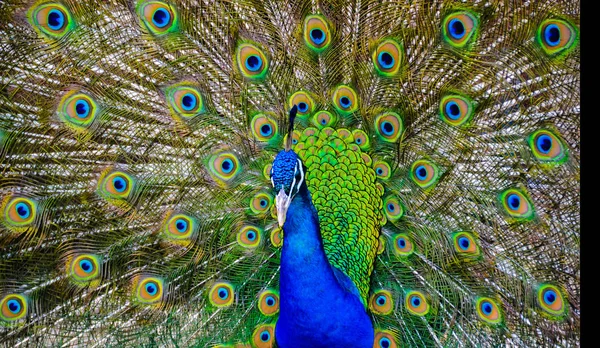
pixel 384 339
pixel 488 311
pixel 249 237
pixel 159 17
pixel 556 36
pixel 517 204
pixel 403 246
pixel 324 119
pixel 77 110
pixel 381 302
pixel 261 203
pixel 51 20
pixel 459 28
pixel 550 299
pixel 456 110
pixel 149 290
pixel 424 173
pixel 382 170
pixel 269 302
pixel 13 307
pixel 251 61
pixel 389 126
pixel 345 99
pixel 264 128
pixel 416 303
pixel 316 33
pixel 221 294
pixel 303 101
pixel 185 101
pixel 263 336
pixel 386 58
pixel 116 185
pixel 464 244
pixel 547 147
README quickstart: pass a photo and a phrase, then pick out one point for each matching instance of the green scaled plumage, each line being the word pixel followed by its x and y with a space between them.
pixel 344 191
pixel 136 143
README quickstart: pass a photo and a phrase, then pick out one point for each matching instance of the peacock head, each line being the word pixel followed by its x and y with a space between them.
pixel 287 174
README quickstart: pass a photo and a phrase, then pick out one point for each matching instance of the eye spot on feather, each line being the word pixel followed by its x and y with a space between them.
pixel 19 211
pixel 403 245
pixel 251 61
pixel 51 20
pixel 221 294
pixel 387 58
pixel 185 100
pixel 557 37
pixel 263 336
pixel 158 17
pixel 224 167
pixel 459 28
pixel 456 110
pixel 83 268
pixel 304 102
pixel 392 208
pixel 264 128
pixel 77 110
pixel 550 300
pixel 488 310
pixel 179 227
pixel 116 185
pixel 345 100
pixel 277 237
pixel 249 237
pixel 465 244
pixel 381 302
pixel 361 139
pixel 382 170
pixel 416 303
pixel 261 203
pixel 323 119
pixel 148 290
pixel 517 205
pixel 384 339
pixel 13 307
pixel 317 35
pixel 424 173
pixel 547 147
pixel 389 126
pixel 268 302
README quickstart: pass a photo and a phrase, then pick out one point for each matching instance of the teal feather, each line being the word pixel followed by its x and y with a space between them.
pixel 519 78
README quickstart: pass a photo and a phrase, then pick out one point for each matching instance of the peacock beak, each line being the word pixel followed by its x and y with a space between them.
pixel 282 202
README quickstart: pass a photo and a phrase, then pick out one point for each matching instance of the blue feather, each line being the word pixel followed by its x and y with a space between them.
pixel 317 309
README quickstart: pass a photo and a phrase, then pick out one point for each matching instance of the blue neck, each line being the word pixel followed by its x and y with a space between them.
pixel 320 306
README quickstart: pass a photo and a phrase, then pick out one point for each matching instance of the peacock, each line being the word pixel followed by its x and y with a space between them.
pixel 304 173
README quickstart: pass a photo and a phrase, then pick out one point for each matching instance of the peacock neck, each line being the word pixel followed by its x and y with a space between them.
pixel 320 306
pixel 303 254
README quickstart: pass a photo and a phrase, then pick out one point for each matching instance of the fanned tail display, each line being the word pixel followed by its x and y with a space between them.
pixel 430 180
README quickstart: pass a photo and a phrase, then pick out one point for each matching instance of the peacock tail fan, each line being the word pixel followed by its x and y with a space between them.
pixel 440 140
